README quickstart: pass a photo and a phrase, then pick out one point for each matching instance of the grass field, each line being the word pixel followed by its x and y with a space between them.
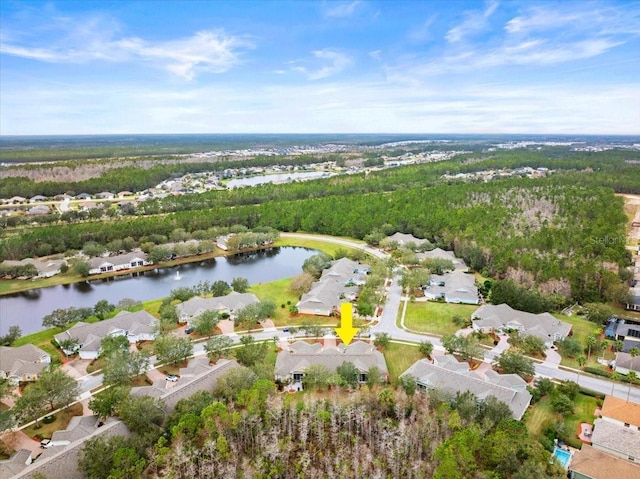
pixel 436 318
pixel 324 246
pixel 581 329
pixel 542 414
pixel 399 357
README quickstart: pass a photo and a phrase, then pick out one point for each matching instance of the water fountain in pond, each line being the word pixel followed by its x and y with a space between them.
pixel 177 275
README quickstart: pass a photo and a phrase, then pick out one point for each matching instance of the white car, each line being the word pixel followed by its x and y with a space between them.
pixel 172 377
pixel 46 443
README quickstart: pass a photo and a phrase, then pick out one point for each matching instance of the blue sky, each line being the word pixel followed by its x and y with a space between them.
pixel 88 67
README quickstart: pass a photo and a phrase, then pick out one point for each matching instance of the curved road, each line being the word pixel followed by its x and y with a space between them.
pixel 387 324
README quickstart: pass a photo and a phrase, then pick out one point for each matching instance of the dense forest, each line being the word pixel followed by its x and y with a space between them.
pixel 244 429
pixel 563 234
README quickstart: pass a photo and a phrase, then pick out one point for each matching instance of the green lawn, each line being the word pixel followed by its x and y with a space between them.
pixel 277 291
pixel 61 421
pixel 324 246
pixel 541 414
pixel 581 329
pixel 399 357
pixel 434 317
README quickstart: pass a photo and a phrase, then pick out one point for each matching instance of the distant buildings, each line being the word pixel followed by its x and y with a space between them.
pixel 120 262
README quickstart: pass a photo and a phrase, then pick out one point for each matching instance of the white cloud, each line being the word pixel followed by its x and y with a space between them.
pixel 474 22
pixel 323 108
pixel 333 62
pixel 593 18
pixel 88 41
pixel 340 9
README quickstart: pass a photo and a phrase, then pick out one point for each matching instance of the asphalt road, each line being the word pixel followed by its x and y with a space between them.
pixel 387 324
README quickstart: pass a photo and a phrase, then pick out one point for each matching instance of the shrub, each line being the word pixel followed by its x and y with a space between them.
pixel 597 371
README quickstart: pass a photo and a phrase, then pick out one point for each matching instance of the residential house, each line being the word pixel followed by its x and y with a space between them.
pixel 454 287
pixel 87 205
pixel 222 242
pixel 621 412
pixel 448 374
pixel 439 253
pixel 624 363
pixel 23 363
pixel 591 463
pixel 405 239
pixel 291 365
pixel 629 334
pixel 502 317
pixel 83 196
pixel 120 262
pixel 337 284
pixel 137 326
pixel 79 427
pixel 62 460
pixel 617 431
pixel 45 269
pixel 620 441
pixel 229 304
pixel 199 375
pixel 124 194
pixel 39 210
pixel 37 198
pixel 9 468
pixel 16 200
pixel 105 195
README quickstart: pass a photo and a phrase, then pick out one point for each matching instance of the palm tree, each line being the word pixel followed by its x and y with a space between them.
pixel 618 345
pixel 591 341
pixel 581 360
pixel 615 376
pixel 634 352
pixel 631 377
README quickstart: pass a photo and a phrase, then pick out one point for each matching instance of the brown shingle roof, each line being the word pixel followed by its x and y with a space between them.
pixel 621 410
pixel 600 465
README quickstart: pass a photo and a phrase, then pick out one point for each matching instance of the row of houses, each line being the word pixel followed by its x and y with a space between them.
pixel 61 458
pixel 338 283
pixel 455 287
pixel 45 269
pixel 105 195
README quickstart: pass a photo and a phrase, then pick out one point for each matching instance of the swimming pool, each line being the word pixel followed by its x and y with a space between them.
pixel 562 456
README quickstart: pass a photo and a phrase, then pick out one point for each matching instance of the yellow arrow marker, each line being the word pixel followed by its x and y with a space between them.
pixel 346 331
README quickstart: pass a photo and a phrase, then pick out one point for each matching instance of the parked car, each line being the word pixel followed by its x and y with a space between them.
pixel 188 330
pixel 46 443
pixel 285 330
pixel 172 377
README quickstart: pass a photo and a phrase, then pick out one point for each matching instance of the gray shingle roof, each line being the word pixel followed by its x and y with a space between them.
pixel 302 355
pixel 91 334
pixel 448 377
pixel 22 360
pixel 543 325
pixel 615 438
pixel 233 301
